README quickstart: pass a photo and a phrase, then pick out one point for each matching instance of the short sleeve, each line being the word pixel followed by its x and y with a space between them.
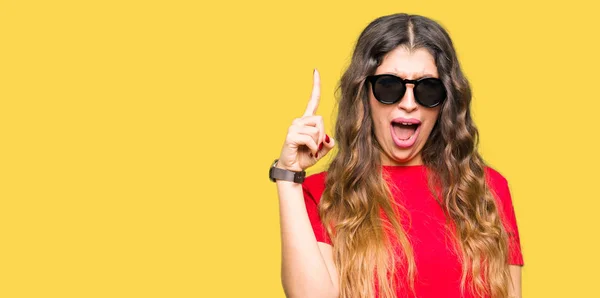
pixel 501 191
pixel 313 189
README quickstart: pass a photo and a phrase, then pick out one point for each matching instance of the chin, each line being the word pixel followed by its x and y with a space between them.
pixel 398 158
pixel 405 161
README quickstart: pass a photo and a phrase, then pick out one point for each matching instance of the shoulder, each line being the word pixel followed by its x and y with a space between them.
pixel 314 185
pixel 497 183
pixel 494 177
pixel 499 187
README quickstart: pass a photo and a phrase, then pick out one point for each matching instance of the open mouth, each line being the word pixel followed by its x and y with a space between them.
pixel 404 131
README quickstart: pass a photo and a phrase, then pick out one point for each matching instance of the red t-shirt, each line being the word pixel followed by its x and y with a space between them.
pixel 438 266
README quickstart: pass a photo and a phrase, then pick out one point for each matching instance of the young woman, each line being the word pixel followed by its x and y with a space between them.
pixel 407 207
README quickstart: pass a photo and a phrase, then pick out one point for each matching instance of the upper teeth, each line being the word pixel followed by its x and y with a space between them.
pixel 405 123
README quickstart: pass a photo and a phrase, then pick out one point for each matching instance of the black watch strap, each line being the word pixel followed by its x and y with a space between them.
pixel 281 174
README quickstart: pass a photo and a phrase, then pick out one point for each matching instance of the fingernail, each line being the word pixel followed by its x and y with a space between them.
pixel 310 154
pixel 327 139
pixel 317 155
pixel 320 146
pixel 314 70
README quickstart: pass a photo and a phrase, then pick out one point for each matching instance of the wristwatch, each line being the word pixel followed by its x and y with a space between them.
pixel 281 174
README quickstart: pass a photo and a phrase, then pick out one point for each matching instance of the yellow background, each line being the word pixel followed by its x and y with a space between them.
pixel 135 136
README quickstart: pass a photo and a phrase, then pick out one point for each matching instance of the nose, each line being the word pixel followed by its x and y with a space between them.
pixel 408 102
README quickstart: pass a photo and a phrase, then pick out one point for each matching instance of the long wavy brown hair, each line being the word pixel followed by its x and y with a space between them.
pixel 357 207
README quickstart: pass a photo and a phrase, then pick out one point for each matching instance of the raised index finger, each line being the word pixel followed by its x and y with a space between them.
pixel 313 103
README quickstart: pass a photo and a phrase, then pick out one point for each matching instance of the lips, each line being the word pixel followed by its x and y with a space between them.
pixel 405 131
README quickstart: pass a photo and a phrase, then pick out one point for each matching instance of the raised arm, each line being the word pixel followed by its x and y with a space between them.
pixel 307 268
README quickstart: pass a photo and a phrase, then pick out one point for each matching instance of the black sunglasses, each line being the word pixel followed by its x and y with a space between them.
pixel 389 89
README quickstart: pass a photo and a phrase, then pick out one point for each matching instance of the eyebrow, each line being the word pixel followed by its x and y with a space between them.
pixel 418 75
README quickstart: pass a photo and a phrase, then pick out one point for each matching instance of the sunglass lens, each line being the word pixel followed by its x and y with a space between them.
pixel 388 89
pixel 430 92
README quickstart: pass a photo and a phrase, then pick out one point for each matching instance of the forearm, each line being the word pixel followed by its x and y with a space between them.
pixel 303 269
